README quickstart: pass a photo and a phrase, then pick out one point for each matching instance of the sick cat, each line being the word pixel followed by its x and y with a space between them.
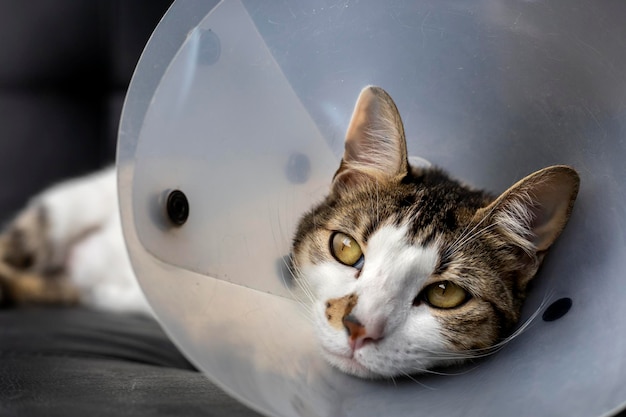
pixel 66 247
pixel 408 269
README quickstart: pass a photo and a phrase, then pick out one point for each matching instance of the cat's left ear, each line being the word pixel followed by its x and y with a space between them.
pixel 533 212
pixel 375 147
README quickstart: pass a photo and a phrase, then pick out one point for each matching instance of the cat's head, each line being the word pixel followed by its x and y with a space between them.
pixel 407 269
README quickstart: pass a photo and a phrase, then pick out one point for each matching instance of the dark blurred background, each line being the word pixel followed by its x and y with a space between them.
pixel 64 69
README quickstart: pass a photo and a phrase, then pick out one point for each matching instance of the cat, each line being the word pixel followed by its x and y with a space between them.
pixel 66 247
pixel 407 269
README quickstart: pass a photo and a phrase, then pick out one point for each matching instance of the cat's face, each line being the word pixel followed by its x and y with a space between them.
pixel 407 269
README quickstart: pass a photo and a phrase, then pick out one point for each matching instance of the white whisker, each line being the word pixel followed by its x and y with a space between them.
pixel 289 281
pixel 462 237
pixel 460 243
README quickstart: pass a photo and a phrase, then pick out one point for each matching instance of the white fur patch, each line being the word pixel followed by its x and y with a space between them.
pixel 79 205
pixel 99 266
pixel 84 221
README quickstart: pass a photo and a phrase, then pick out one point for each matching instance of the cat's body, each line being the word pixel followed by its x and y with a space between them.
pixel 404 268
pixel 67 247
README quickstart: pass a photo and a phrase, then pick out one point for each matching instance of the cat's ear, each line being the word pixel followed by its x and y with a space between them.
pixel 375 147
pixel 533 212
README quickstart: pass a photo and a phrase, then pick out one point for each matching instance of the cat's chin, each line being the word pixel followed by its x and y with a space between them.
pixel 349 365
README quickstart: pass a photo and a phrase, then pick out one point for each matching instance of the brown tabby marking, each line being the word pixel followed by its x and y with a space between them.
pixel 337 309
pixel 23 244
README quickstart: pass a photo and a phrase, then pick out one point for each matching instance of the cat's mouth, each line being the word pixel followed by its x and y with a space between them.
pixel 347 363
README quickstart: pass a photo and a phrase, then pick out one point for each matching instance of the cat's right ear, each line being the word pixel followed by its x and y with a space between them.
pixel 375 147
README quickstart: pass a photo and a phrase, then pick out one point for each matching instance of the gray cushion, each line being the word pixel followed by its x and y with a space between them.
pixel 77 362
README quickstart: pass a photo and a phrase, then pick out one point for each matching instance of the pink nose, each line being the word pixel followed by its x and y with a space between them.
pixel 358 335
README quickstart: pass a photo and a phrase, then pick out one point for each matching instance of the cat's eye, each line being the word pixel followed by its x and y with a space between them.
pixel 346 250
pixel 445 294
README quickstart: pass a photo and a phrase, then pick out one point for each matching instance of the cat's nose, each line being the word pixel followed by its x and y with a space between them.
pixel 358 334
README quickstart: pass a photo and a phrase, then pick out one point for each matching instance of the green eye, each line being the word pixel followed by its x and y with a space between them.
pixel 346 250
pixel 445 294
